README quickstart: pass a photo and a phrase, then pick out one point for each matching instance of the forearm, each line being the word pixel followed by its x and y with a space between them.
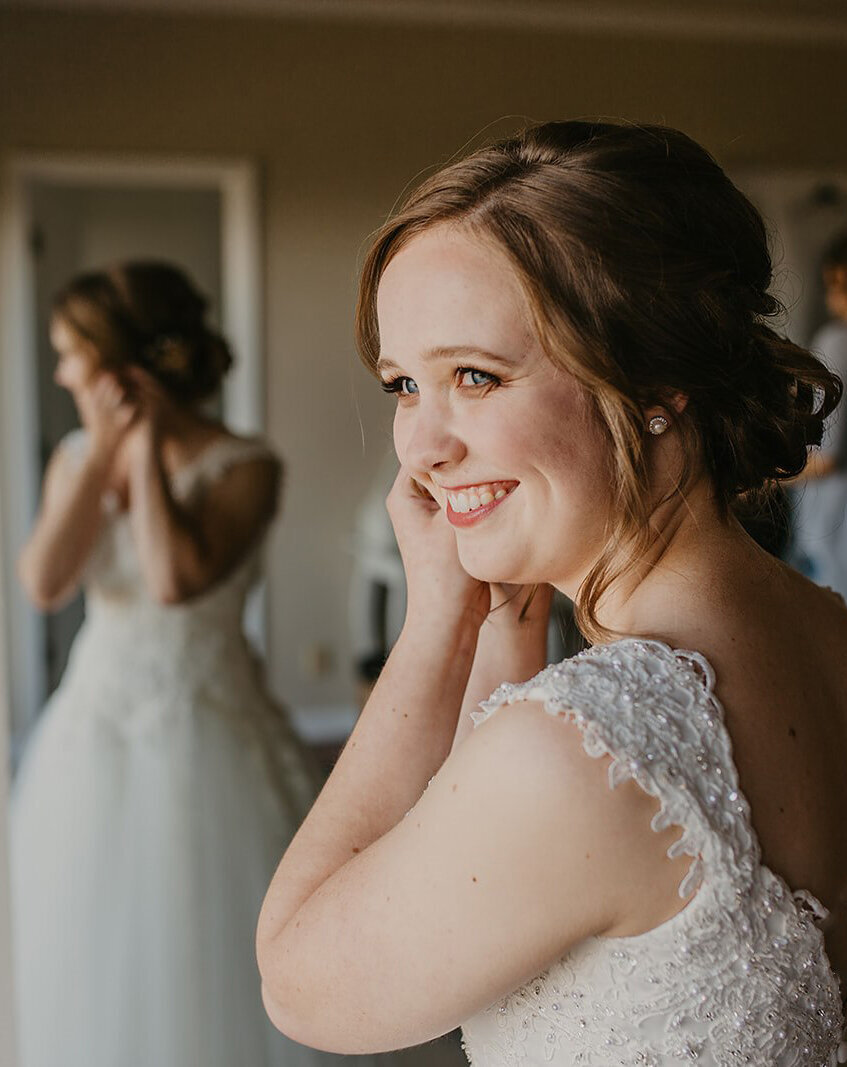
pixel 52 561
pixel 507 651
pixel 169 545
pixel 400 741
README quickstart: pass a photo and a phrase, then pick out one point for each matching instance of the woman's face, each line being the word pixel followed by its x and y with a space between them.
pixel 506 442
pixel 78 361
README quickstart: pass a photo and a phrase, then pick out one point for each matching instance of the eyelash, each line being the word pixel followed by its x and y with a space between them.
pixel 395 385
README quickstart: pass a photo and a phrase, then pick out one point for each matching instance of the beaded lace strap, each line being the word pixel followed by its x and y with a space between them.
pixel 217 458
pixel 653 711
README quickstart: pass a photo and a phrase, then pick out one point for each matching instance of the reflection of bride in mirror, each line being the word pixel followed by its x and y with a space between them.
pixel 161 783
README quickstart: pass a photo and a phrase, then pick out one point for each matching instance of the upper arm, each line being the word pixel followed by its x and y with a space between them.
pixel 229 517
pixel 514 854
pixel 55 482
pixel 54 490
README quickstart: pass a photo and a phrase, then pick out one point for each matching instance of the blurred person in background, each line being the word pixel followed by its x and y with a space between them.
pixel 819 536
pixel 160 783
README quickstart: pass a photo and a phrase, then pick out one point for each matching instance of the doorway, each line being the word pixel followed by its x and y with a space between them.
pixel 803 212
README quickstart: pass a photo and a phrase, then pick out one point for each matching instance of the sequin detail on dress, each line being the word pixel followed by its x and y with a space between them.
pixel 740 975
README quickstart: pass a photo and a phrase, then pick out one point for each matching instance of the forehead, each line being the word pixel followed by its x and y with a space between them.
pixel 68 341
pixel 62 334
pixel 448 288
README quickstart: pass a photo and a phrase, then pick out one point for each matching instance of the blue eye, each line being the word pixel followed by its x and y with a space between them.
pixel 478 377
pixel 401 386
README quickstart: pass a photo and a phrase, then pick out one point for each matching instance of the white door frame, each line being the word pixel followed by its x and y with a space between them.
pixel 236 180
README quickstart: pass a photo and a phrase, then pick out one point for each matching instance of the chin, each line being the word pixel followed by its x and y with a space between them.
pixel 498 572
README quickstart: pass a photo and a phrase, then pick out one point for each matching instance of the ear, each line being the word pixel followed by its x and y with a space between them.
pixel 672 402
pixel 676 401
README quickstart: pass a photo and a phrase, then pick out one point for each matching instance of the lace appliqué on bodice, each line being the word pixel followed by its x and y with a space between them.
pixel 740 975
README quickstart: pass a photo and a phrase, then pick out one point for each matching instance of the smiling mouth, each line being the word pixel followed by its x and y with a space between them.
pixel 472 503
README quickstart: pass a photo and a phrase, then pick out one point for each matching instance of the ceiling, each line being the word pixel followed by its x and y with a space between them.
pixel 824 20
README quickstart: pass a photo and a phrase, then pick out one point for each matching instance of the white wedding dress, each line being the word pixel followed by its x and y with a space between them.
pixel 154 800
pixel 740 975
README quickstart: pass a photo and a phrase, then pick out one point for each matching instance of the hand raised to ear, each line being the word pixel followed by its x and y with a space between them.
pixel 437 584
pixel 155 403
pixel 107 410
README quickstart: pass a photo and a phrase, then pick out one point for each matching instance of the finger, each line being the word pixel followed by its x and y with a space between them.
pixel 127 414
pixel 146 383
pixel 139 373
pixel 528 599
pixel 406 485
pixel 106 378
pixel 113 395
pixel 99 396
pixel 408 491
pixel 106 389
pixel 420 490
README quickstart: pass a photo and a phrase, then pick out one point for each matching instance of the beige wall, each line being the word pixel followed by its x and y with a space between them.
pixel 340 118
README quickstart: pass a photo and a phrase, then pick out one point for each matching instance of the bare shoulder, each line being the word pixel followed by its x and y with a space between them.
pixel 778 649
pixel 67 457
pixel 220 442
pixel 516 852
pixel 239 469
pixel 593 830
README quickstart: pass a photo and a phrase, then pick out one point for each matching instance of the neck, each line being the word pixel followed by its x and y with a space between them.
pixel 178 423
pixel 690 543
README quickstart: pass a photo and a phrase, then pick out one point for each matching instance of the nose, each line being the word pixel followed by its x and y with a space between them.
pixel 427 441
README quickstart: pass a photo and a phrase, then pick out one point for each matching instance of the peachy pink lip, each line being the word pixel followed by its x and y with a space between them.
pixel 470 518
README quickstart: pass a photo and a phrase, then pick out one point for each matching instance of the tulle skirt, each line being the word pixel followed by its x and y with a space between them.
pixel 143 840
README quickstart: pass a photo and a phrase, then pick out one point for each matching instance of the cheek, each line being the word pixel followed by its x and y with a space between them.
pixel 64 375
pixel 73 372
pixel 573 457
pixel 400 432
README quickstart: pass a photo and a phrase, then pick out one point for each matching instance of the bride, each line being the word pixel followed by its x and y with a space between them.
pixel 636 856
pixel 160 783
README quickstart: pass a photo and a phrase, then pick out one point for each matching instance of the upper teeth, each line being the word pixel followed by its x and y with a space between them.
pixel 476 497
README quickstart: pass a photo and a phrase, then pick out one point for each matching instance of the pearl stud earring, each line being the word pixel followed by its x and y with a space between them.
pixel 657 425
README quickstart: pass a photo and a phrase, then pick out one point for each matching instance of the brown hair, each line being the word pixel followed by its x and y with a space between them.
pixel 148 314
pixel 646 273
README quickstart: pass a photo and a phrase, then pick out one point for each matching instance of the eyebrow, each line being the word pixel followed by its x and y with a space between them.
pixel 441 352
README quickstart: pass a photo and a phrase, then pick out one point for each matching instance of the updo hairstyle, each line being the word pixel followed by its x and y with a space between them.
pixel 150 315
pixel 647 275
